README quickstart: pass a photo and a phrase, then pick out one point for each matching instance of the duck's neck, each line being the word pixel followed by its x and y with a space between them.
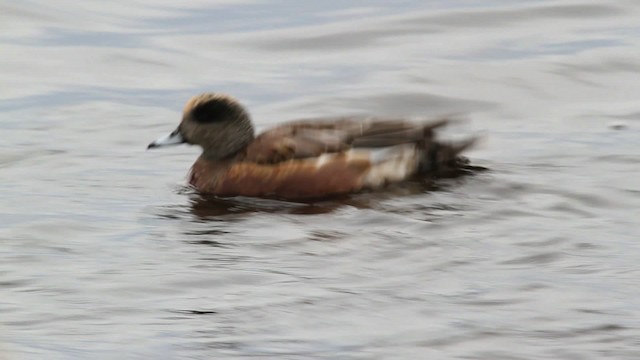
pixel 216 157
pixel 206 172
pixel 225 148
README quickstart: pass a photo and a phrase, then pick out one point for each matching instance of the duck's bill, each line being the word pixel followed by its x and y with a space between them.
pixel 174 138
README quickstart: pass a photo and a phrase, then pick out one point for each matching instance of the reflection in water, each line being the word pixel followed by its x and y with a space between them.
pixel 206 206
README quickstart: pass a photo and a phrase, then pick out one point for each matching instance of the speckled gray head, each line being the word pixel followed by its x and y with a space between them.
pixel 216 122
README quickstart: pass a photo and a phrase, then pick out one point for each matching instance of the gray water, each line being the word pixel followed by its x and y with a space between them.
pixel 106 254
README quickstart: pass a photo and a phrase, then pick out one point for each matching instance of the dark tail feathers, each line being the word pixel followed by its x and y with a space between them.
pixel 443 159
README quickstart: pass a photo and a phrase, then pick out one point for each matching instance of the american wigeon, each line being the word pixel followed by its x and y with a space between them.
pixel 305 159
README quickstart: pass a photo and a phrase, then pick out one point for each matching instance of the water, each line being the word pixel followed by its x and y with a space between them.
pixel 105 254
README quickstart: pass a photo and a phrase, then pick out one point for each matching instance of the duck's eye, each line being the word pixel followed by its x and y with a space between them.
pixel 212 112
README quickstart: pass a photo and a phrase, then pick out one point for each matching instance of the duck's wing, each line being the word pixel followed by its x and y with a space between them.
pixel 330 173
pixel 312 138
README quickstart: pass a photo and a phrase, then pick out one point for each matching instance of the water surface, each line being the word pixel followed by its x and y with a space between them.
pixel 105 254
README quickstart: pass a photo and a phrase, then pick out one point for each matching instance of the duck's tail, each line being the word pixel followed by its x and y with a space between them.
pixel 443 159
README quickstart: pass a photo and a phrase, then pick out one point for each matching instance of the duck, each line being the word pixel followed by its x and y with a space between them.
pixel 310 158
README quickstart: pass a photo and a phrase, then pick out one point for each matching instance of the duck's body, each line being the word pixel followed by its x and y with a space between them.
pixel 305 159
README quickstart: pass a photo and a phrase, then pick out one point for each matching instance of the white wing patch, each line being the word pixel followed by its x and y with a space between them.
pixel 392 164
pixel 324 159
pixel 388 165
pixel 348 156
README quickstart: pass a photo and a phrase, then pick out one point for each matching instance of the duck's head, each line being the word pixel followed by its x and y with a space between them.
pixel 216 122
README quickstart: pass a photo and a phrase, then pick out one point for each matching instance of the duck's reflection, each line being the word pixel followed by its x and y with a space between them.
pixel 208 207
